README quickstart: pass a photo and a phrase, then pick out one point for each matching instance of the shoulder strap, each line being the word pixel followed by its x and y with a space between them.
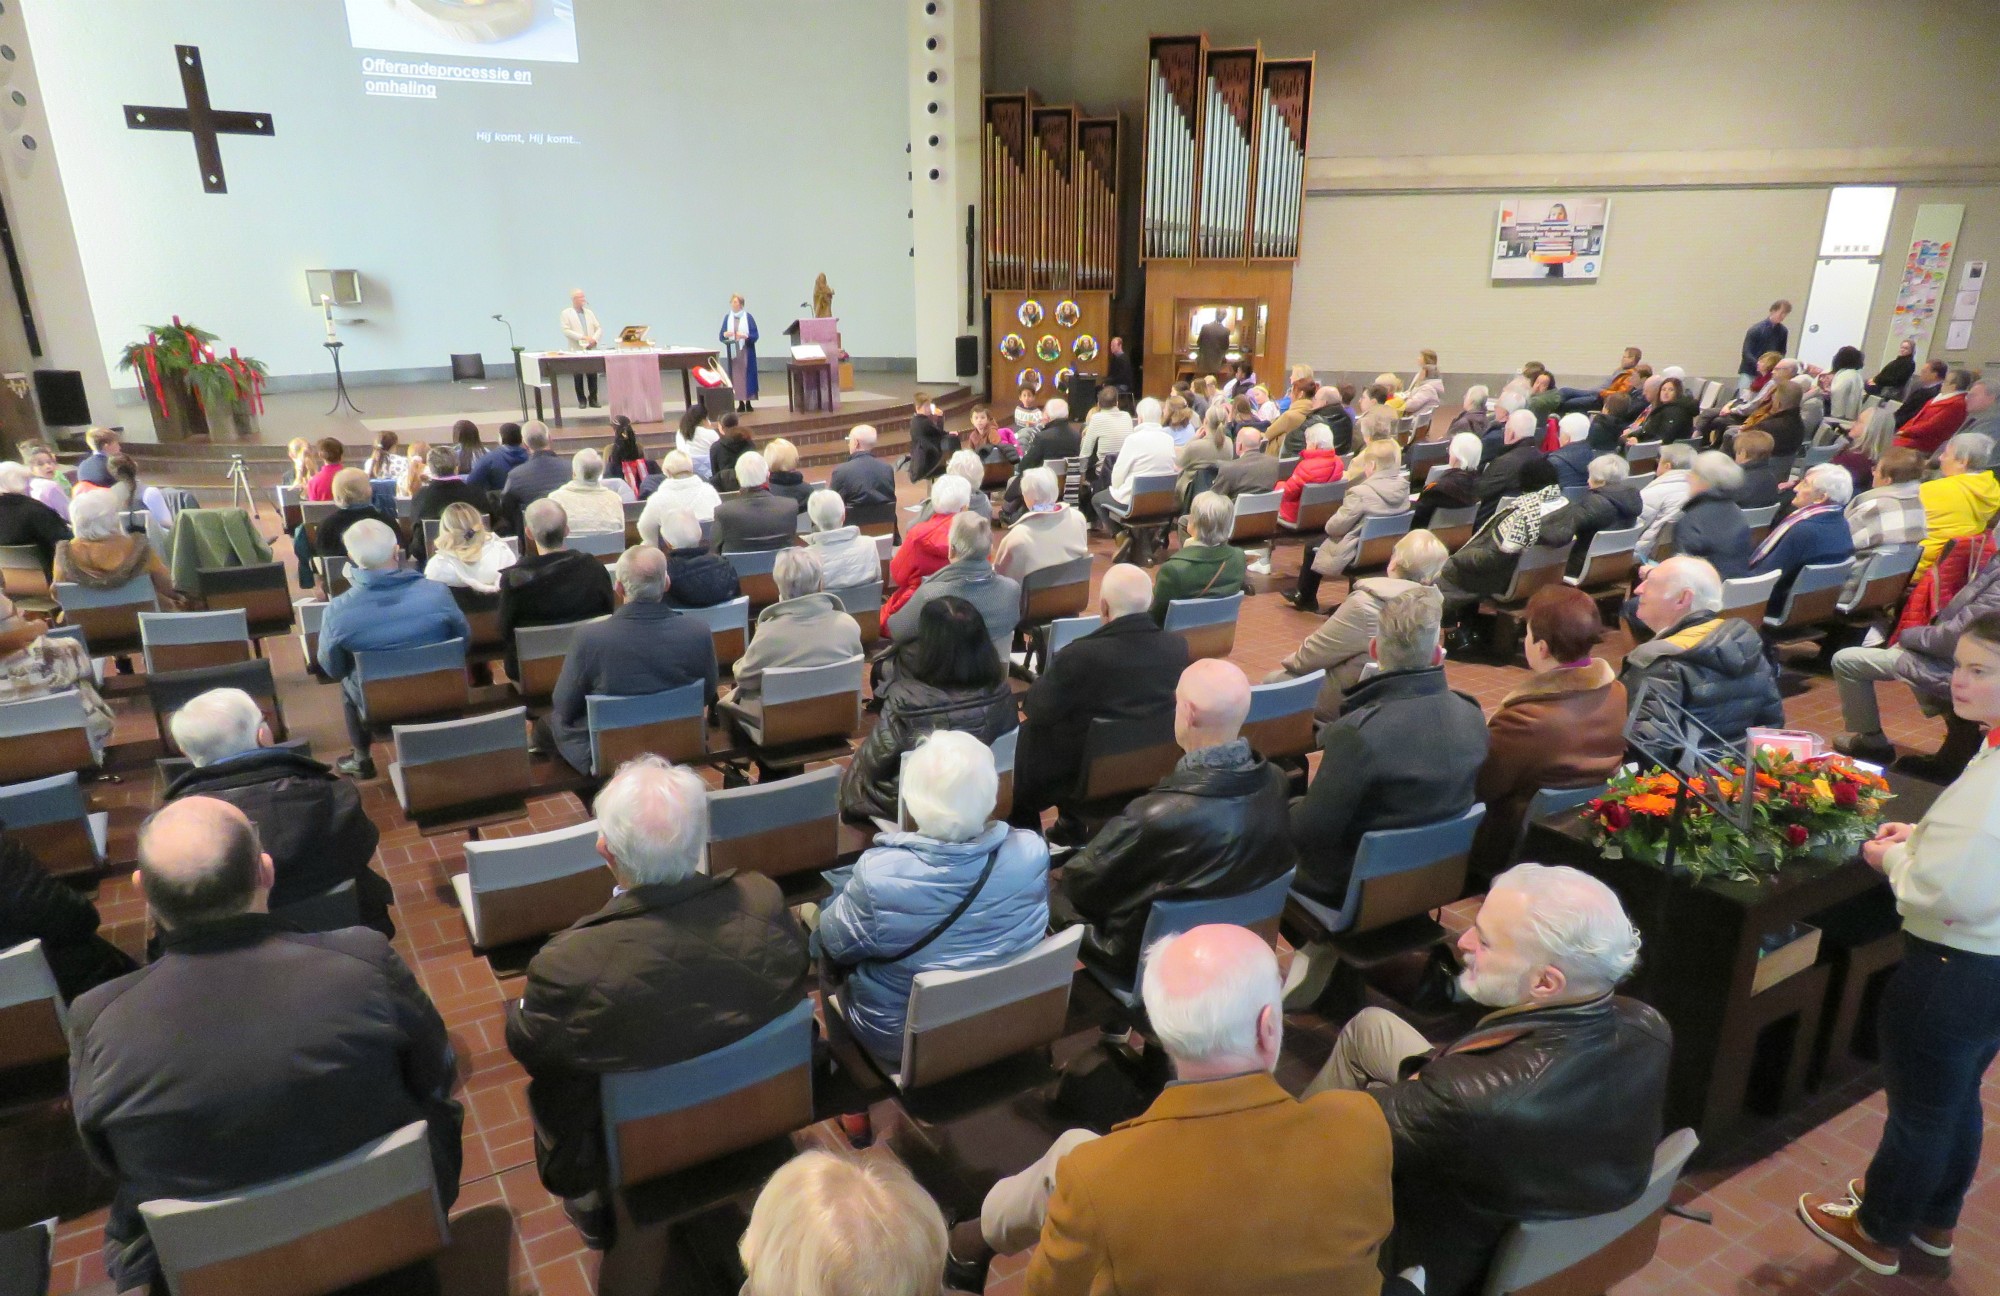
pixel 959 912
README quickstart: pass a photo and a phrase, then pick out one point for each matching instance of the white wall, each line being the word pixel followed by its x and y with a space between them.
pixel 740 147
pixel 1717 127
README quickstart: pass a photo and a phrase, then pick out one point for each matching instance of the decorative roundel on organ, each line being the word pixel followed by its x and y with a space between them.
pixel 1030 313
pixel 1030 379
pixel 1048 350
pixel 1068 313
pixel 1012 347
pixel 1085 349
pixel 1062 378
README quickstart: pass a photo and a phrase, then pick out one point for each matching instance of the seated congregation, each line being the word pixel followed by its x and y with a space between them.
pixel 961 758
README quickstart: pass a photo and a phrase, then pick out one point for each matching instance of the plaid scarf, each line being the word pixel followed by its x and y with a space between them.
pixel 1778 531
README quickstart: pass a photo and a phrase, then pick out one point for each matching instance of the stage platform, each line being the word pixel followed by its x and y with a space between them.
pixel 425 412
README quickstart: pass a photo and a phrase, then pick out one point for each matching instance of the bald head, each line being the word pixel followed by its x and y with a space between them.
pixel 1126 590
pixel 1214 998
pixel 1210 704
pixel 642 574
pixel 199 862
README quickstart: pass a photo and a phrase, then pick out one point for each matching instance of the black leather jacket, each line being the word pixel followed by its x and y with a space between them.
pixel 1551 1113
pixel 912 709
pixel 1209 828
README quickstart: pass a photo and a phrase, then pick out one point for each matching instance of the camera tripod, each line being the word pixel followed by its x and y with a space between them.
pixel 239 486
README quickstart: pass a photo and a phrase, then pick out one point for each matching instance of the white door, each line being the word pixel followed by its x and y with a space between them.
pixel 1843 291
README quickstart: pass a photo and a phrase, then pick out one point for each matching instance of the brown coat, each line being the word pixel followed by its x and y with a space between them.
pixel 1226 1186
pixel 1563 728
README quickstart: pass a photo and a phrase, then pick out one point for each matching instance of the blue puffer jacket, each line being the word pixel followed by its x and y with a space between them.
pixel 902 888
pixel 385 609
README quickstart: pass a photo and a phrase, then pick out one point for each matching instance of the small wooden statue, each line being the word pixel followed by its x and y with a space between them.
pixel 822 299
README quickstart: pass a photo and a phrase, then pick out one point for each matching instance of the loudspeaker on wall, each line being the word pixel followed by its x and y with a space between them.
pixel 968 355
pixel 60 394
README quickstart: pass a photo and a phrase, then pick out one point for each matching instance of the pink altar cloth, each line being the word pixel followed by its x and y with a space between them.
pixel 632 379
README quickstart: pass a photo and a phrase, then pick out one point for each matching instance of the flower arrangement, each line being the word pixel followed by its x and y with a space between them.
pixel 1818 806
pixel 185 382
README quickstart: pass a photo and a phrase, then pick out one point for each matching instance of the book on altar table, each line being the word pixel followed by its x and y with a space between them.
pixel 810 351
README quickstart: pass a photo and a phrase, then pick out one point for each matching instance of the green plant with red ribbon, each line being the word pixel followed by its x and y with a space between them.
pixel 183 355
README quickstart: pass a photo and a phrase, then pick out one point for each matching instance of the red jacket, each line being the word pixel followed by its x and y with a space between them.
pixel 1934 424
pixel 1313 467
pixel 926 549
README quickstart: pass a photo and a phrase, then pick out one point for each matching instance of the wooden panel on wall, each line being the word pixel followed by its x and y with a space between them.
pixel 1007 329
pixel 1172 284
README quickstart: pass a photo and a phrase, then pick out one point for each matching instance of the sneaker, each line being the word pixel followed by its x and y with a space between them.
pixel 355 765
pixel 1931 1241
pixel 1837 1221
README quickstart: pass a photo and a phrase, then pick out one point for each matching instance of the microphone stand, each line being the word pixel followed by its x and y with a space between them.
pixel 520 374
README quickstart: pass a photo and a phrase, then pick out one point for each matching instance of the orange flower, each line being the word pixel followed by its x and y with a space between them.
pixel 1648 803
pixel 1766 781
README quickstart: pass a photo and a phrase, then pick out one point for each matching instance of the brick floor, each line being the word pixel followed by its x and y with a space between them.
pixel 1755 1244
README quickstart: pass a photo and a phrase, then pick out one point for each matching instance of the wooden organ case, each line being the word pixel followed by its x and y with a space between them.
pixel 1049 211
pixel 1223 195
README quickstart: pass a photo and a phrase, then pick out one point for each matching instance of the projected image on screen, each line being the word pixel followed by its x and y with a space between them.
pixel 539 30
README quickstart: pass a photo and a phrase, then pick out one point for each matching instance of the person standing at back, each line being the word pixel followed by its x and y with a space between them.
pixel 580 327
pixel 1767 334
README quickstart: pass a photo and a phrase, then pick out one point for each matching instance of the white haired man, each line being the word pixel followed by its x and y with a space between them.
pixel 1048 533
pixel 1252 471
pixel 1549 1109
pixel 677 964
pixel 1125 669
pixel 1698 660
pixel 862 478
pixel 25 520
pixel 1502 476
pixel 386 605
pixel 554 585
pixel 806 627
pixel 309 820
pixel 1574 451
pixel 970 576
pixel 1815 531
pixel 755 519
pixel 591 507
pixel 1148 451
pixel 644 647
pixel 1227 1183
pixel 847 558
pixel 583 333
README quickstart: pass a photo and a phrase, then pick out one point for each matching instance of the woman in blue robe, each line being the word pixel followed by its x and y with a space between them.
pixel 738 336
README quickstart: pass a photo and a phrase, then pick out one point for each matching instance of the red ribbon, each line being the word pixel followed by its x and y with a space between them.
pixel 153 370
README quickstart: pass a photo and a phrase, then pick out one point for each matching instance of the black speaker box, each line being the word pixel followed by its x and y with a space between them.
pixel 60 394
pixel 1081 394
pixel 968 355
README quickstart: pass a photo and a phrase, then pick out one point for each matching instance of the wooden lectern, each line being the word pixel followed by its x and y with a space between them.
pixel 825 334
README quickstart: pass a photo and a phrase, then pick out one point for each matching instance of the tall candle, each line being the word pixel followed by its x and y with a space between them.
pixel 326 304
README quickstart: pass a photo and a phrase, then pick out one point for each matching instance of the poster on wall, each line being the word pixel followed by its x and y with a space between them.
pixel 537 30
pixel 1925 270
pixel 1558 237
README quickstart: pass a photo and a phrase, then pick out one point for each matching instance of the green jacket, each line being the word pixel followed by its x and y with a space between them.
pixel 1197 571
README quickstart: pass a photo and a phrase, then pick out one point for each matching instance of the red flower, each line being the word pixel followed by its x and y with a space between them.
pixel 1796 834
pixel 1846 795
pixel 1615 818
